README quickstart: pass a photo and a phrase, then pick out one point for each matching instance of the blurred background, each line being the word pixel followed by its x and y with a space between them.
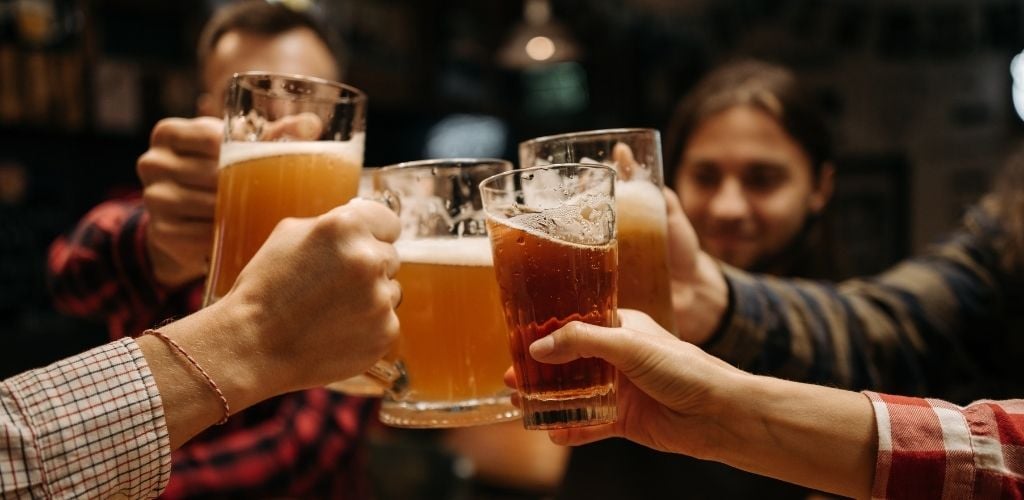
pixel 920 95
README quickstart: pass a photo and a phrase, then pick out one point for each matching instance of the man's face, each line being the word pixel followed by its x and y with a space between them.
pixel 747 186
pixel 297 51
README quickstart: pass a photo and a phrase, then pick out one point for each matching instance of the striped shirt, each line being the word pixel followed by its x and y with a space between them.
pixel 933 449
pixel 90 426
pixel 947 324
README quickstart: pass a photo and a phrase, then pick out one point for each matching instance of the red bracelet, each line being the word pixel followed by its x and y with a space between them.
pixel 209 380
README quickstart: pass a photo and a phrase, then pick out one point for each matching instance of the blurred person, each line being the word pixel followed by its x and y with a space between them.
pixel 103 423
pixel 947 324
pixel 752 162
pixel 676 398
pixel 137 261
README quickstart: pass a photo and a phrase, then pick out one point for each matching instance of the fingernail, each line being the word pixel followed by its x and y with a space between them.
pixel 542 347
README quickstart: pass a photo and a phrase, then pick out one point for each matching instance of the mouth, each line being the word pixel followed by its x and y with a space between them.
pixel 727 240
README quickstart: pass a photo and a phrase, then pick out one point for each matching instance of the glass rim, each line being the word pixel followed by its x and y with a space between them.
pixel 587 133
pixel 445 162
pixel 356 96
pixel 553 166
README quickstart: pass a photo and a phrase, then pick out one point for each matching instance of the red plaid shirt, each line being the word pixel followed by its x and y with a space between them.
pixel 933 449
pixel 306 444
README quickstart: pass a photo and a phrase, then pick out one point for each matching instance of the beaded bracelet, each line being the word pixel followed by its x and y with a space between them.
pixel 209 380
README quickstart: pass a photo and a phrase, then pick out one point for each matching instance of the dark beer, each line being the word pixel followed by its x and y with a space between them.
pixel 546 284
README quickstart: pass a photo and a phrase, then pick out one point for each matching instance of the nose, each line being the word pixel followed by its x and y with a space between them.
pixel 729 202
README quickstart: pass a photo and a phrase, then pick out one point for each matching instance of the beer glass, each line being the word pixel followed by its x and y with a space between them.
pixel 552 233
pixel 293 147
pixel 641 213
pixel 452 343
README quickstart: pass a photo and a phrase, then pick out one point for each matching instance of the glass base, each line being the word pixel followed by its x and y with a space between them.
pixel 360 385
pixel 593 406
pixel 442 414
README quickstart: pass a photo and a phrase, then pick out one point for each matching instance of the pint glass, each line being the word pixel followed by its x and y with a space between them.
pixel 293 147
pixel 552 233
pixel 452 343
pixel 642 225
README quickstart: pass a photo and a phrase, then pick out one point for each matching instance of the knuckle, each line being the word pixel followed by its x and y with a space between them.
pixel 164 130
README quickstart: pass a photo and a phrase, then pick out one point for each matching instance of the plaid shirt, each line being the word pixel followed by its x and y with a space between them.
pixel 306 444
pixel 90 426
pixel 948 324
pixel 932 449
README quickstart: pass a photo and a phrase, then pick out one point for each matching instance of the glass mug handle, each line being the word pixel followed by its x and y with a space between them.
pixel 390 375
pixel 387 376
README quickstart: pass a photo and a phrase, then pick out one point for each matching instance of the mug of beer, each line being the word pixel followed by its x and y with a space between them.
pixel 452 344
pixel 552 233
pixel 641 214
pixel 293 147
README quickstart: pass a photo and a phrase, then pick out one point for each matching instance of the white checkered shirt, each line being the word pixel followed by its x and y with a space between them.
pixel 90 426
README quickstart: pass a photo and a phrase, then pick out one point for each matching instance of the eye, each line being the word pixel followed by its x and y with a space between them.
pixel 764 178
pixel 705 175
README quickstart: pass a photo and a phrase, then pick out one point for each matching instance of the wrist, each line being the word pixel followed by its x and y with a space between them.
pixel 701 304
pixel 728 410
pixel 224 340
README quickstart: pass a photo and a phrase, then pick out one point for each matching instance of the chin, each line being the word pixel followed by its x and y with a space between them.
pixel 734 258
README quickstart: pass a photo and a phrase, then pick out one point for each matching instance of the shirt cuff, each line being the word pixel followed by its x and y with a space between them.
pixel 98 423
pixel 925 449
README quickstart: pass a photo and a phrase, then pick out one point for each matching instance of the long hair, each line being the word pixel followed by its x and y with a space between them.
pixel 776 91
pixel 761 85
pixel 1007 201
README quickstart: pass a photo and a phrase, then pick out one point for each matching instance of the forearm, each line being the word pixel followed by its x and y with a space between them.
pixel 214 337
pixel 816 436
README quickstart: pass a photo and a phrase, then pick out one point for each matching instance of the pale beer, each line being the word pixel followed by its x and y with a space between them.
pixel 453 335
pixel 261 183
pixel 452 345
pixel 643 250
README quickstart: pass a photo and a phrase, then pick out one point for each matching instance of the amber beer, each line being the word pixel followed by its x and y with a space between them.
pixel 261 183
pixel 640 205
pixel 453 335
pixel 545 285
pixel 643 250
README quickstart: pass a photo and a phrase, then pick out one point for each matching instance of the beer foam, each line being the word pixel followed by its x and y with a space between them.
pixel 351 150
pixel 638 197
pixel 534 224
pixel 473 251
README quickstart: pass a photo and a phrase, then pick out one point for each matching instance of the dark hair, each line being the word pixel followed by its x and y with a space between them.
pixel 1007 202
pixel 767 87
pixel 260 17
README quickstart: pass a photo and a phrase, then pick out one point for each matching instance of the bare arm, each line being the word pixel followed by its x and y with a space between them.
pixel 674 397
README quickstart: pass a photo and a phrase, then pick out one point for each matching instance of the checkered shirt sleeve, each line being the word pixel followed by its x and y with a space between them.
pixel 90 426
pixel 933 449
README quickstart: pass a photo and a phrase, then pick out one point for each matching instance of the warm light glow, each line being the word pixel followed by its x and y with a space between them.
pixel 540 48
pixel 1017 88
